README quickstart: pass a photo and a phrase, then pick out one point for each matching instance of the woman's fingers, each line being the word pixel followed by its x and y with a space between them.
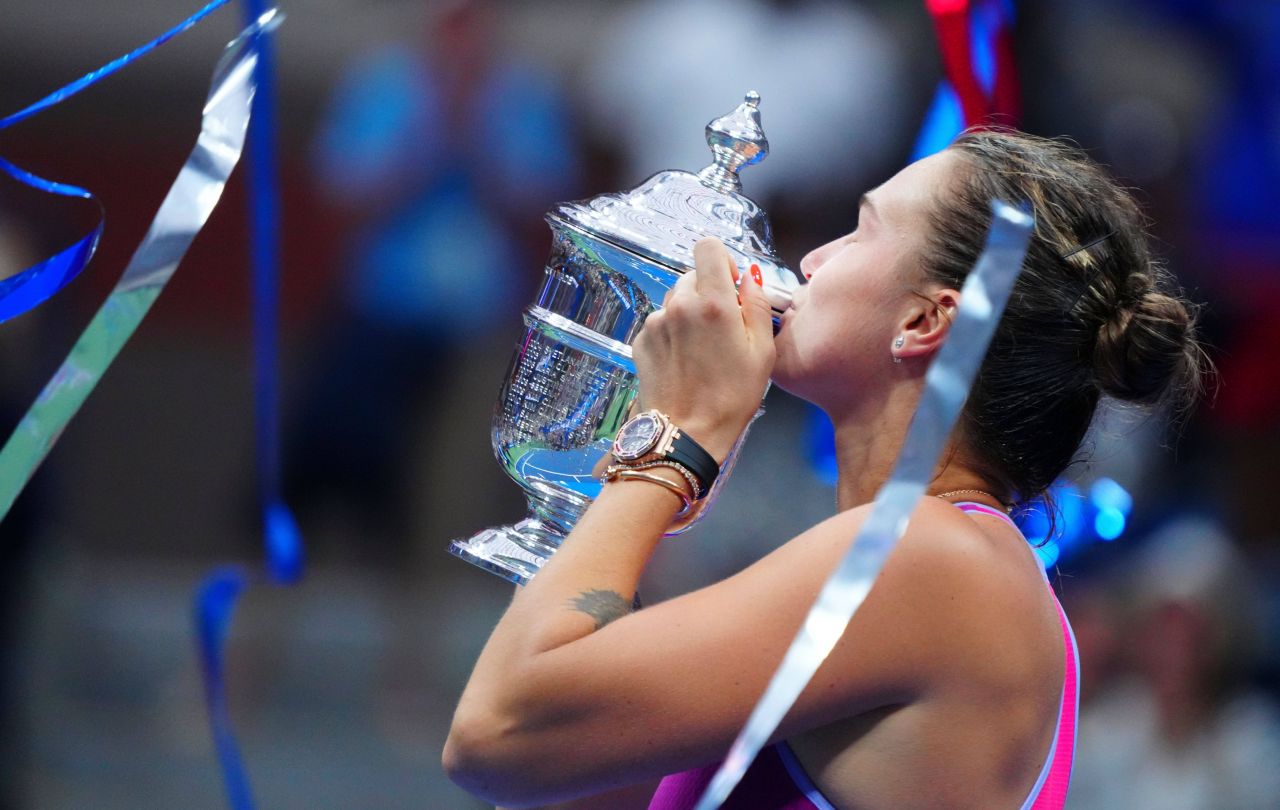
pixel 685 285
pixel 756 312
pixel 713 267
pixel 713 282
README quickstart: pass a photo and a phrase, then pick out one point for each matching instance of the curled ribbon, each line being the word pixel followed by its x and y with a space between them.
pixel 181 216
pixel 26 290
pixel 947 383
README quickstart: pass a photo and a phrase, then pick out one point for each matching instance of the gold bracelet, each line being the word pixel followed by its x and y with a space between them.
pixel 694 492
pixel 627 474
pixel 684 471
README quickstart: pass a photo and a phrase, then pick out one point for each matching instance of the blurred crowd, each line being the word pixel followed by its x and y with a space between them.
pixel 416 172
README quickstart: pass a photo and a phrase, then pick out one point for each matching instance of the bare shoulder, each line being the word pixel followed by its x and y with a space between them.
pixel 942 548
pixel 951 587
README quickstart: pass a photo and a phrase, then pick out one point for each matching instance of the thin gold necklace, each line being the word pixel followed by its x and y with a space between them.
pixel 945 495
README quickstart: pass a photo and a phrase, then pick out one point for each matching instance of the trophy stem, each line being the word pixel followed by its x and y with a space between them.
pixel 519 551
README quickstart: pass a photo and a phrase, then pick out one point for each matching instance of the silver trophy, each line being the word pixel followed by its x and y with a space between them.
pixel 572 382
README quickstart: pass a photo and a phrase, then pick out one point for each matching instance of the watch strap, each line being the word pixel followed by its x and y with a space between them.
pixel 689 454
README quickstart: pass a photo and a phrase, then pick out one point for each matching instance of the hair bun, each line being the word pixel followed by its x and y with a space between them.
pixel 1146 349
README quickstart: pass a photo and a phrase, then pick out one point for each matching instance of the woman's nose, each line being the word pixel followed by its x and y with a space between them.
pixel 812 261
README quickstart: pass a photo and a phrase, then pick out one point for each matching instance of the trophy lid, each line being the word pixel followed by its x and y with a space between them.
pixel 663 217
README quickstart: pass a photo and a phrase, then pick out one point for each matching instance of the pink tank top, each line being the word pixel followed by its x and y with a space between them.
pixel 776 780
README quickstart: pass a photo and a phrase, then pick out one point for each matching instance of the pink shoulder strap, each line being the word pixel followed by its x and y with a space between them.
pixel 1050 791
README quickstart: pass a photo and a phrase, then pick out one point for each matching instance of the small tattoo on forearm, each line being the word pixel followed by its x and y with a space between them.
pixel 603 606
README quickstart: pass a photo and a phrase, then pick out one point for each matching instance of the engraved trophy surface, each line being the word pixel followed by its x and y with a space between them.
pixel 572 382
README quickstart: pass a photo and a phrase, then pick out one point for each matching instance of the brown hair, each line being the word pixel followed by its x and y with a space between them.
pixel 1092 312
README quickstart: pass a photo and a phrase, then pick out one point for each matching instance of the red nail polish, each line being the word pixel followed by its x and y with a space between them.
pixel 755 275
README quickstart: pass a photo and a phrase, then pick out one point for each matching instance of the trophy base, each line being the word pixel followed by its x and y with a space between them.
pixel 514 553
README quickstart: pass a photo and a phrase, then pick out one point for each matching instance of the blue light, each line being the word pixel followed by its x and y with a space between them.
pixel 1080 519
pixel 1107 494
pixel 1033 522
pixel 1109 523
pixel 1072 522
pixel 1048 553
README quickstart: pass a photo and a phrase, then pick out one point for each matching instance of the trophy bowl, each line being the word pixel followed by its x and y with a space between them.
pixel 572 382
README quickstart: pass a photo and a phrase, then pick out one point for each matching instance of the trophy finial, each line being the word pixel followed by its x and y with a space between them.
pixel 736 140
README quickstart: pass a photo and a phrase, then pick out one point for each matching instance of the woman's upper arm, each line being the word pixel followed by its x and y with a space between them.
pixel 668 688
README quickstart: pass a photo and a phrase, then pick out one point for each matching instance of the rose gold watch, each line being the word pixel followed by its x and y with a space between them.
pixel 651 436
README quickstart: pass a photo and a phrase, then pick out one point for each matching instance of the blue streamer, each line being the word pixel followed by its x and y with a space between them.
pixel 28 289
pixel 66 92
pixel 182 214
pixel 282 540
pixel 33 286
pixel 283 543
pixel 214 605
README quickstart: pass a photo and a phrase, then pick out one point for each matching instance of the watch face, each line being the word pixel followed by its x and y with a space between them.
pixel 637 437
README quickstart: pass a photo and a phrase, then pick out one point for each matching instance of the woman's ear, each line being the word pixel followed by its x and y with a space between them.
pixel 926 325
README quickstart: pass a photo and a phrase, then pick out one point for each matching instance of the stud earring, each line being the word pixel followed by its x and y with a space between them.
pixel 897 344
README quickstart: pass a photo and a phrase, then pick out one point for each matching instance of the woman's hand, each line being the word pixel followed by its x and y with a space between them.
pixel 705 358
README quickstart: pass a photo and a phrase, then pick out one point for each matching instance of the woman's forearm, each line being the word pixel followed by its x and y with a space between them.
pixel 589 582
pixel 519 681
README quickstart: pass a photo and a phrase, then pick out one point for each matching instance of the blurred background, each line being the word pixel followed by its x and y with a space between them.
pixel 421 142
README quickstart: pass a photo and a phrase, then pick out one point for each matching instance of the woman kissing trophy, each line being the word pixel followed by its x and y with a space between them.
pixel 571 385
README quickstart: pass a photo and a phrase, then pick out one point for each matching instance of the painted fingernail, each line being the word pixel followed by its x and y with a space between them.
pixel 755 275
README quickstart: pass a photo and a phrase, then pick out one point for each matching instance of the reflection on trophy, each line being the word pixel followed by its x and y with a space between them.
pixel 572 382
